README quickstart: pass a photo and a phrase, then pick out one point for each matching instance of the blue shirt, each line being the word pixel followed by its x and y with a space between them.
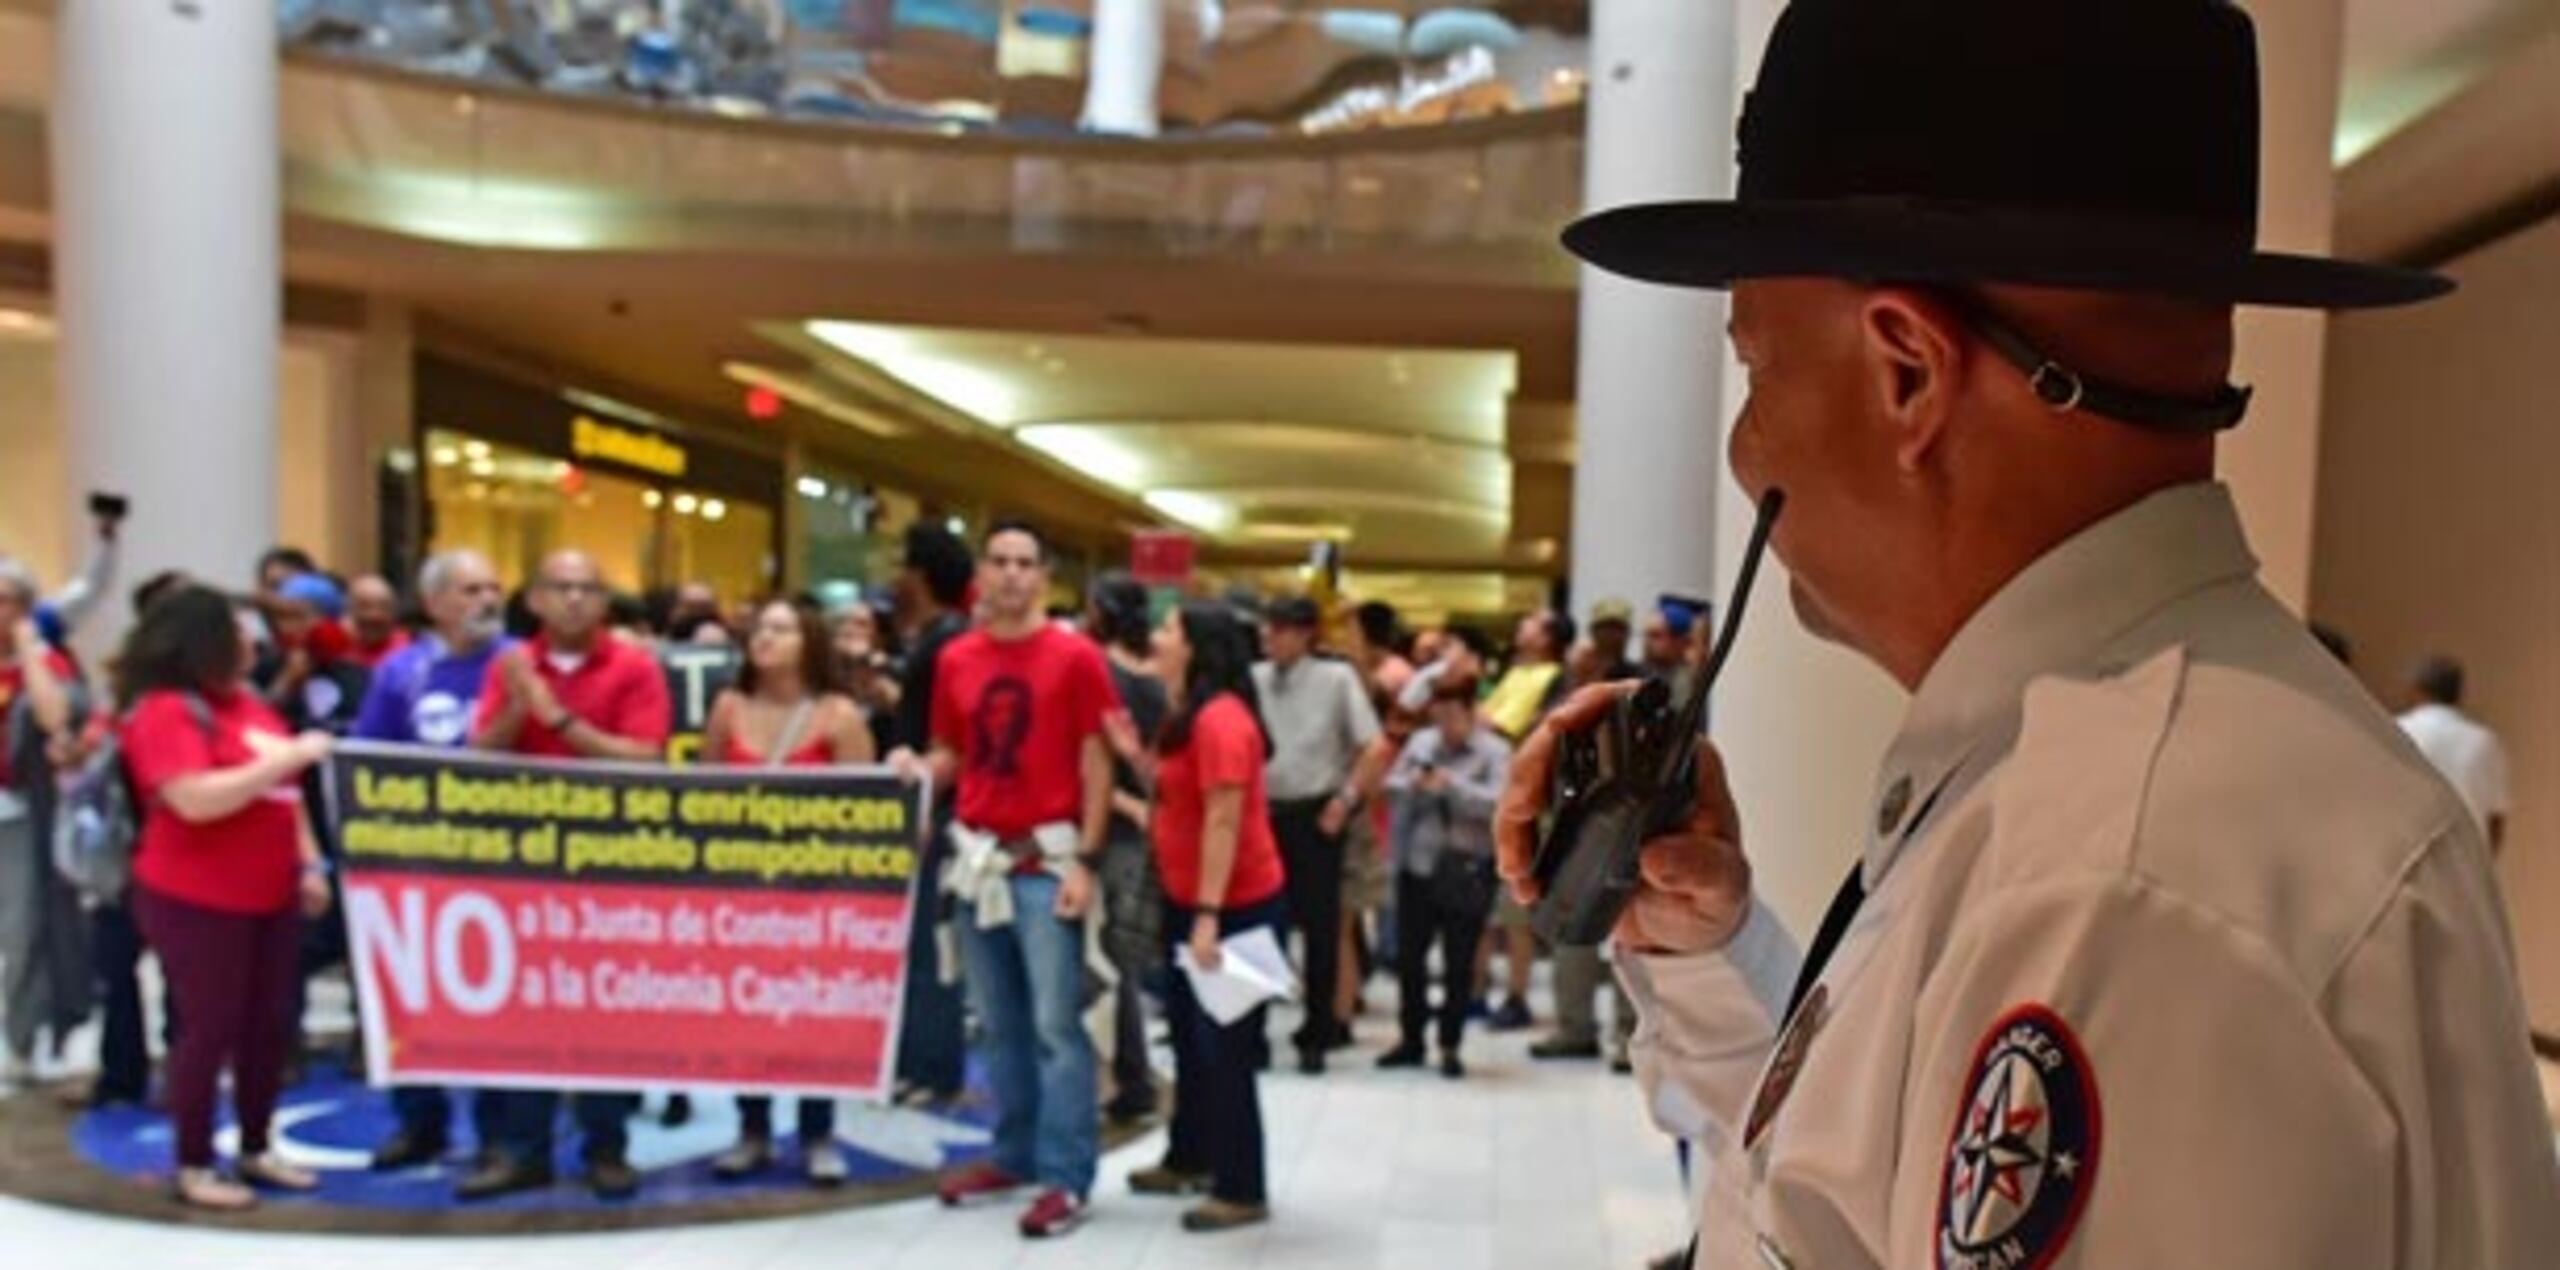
pixel 425 694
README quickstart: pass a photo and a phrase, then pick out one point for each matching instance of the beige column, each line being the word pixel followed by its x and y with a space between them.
pixel 2272 460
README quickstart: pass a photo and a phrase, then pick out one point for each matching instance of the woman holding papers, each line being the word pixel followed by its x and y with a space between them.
pixel 1223 884
pixel 787 710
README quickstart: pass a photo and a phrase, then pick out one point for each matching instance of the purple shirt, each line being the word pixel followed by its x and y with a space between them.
pixel 425 694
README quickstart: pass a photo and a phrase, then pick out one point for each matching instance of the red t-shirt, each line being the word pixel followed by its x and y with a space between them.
pixel 1017 713
pixel 13 680
pixel 246 862
pixel 371 656
pixel 617 688
pixel 1225 749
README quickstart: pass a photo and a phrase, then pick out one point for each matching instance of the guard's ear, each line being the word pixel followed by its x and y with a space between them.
pixel 1913 351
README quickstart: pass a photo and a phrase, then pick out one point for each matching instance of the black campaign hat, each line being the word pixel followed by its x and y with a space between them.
pixel 2104 145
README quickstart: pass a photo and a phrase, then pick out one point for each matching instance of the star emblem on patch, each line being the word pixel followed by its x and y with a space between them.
pixel 2023 1154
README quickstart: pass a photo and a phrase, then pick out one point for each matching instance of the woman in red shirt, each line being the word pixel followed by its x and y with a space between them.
pixel 224 870
pixel 787 710
pixel 1222 878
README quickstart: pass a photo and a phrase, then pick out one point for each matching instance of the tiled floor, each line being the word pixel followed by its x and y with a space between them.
pixel 1368 1169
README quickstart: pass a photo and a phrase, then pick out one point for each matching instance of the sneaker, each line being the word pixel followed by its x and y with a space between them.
pixel 1512 1017
pixel 1451 1067
pixel 211 1191
pixel 826 1166
pixel 1311 1061
pixel 750 1157
pixel 1623 1065
pixel 613 1180
pixel 1479 1010
pixel 976 1184
pixel 1557 1047
pixel 1219 1214
pixel 501 1175
pixel 1053 1214
pixel 270 1172
pixel 1166 1180
pixel 408 1150
pixel 1405 1055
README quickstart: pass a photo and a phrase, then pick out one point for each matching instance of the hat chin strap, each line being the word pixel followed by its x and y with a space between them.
pixel 2067 390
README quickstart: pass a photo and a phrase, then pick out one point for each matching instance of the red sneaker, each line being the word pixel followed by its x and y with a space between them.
pixel 1054 1213
pixel 976 1184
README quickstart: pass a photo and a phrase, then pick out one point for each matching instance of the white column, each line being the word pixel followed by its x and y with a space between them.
pixel 1802 723
pixel 166 274
pixel 1124 67
pixel 1647 450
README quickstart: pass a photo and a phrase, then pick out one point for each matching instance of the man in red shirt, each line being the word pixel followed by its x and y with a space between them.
pixel 373 618
pixel 1018 712
pixel 573 692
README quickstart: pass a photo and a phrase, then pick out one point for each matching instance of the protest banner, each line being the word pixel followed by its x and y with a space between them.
pixel 534 924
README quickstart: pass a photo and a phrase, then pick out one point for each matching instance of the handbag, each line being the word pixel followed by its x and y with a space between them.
pixel 1463 883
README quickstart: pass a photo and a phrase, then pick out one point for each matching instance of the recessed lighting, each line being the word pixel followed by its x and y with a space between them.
pixel 651 498
pixel 476 449
pixel 484 467
pixel 446 456
pixel 811 487
pixel 687 504
pixel 957 526
pixel 714 509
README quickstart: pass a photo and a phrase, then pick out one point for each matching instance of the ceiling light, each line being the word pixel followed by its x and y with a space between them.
pixel 901 355
pixel 810 487
pixel 476 449
pixel 1204 512
pixel 445 456
pixel 686 504
pixel 714 509
pixel 959 528
pixel 25 323
pixel 1089 450
pixel 483 467
pixel 651 498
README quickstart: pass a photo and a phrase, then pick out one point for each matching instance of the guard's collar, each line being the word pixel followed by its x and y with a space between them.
pixel 2057 614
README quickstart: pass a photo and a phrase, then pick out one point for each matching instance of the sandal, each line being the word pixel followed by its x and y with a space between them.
pixel 271 1172
pixel 211 1191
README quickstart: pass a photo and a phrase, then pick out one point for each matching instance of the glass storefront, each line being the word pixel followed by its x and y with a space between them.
pixel 517 473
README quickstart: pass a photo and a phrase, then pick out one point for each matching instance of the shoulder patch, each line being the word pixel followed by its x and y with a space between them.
pixel 2023 1154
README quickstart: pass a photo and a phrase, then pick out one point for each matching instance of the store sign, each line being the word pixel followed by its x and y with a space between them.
pixel 645 451
pixel 1160 557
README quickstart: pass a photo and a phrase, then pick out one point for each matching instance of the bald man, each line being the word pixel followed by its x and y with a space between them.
pixel 2161 947
pixel 574 691
pixel 373 618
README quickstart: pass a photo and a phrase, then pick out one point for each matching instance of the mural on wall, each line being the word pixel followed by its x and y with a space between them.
pixel 1230 66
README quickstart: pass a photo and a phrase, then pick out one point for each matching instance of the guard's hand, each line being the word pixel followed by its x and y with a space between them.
pixel 1075 891
pixel 1695 883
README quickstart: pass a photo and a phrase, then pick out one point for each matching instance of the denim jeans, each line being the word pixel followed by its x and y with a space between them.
pixel 1027 979
pixel 529 1115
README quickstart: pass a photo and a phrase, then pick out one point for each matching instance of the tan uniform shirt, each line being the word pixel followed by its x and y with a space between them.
pixel 2175 953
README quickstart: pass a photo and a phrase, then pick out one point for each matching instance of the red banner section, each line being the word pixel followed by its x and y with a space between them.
pixel 530 925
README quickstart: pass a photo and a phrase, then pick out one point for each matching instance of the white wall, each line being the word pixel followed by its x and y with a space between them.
pixel 2439 531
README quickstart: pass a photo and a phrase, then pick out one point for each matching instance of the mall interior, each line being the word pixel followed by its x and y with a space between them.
pixel 1260 298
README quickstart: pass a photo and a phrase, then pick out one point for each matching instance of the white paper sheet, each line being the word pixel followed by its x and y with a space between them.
pixel 1251 970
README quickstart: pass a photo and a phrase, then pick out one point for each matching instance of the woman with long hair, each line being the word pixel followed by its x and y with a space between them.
pixel 1222 878
pixel 787 709
pixel 225 868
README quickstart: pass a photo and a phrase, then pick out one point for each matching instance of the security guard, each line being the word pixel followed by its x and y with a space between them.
pixel 2166 949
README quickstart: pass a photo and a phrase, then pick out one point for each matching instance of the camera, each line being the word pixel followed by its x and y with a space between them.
pixel 107 507
pixel 1631 778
